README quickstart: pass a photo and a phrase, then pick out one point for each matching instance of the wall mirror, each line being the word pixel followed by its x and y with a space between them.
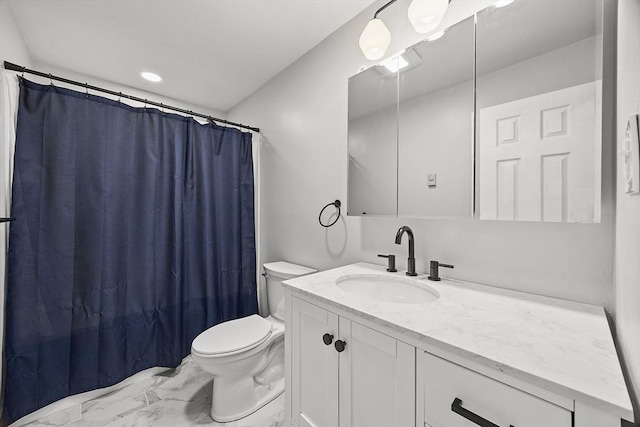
pixel 410 142
pixel 435 127
pixel 539 111
pixel 372 147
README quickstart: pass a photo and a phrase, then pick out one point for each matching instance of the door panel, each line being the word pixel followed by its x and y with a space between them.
pixel 377 379
pixel 539 158
pixel 315 383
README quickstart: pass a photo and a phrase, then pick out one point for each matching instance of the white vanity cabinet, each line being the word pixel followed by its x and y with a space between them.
pixel 367 379
pixel 476 356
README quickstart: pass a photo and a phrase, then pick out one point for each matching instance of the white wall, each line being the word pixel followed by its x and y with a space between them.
pixel 627 316
pixel 95 81
pixel 12 46
pixel 303 115
pixel 565 67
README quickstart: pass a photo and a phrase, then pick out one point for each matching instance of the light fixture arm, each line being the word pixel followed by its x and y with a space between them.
pixel 375 15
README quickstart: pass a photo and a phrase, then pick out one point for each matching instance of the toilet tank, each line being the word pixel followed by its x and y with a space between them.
pixel 275 273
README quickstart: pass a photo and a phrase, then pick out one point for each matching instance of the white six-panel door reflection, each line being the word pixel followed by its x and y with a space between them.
pixel 540 157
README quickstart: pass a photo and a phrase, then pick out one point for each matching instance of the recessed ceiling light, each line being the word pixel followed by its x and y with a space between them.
pixel 152 77
pixel 503 3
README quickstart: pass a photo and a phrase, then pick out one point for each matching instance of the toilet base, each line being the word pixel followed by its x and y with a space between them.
pixel 263 395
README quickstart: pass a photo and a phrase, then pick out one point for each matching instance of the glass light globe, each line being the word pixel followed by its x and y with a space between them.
pixel 503 3
pixel 425 15
pixel 375 39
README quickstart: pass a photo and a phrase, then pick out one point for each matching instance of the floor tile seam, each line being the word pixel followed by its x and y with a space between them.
pixel 147 409
pixel 125 413
pixel 123 389
pixel 162 380
pixel 76 420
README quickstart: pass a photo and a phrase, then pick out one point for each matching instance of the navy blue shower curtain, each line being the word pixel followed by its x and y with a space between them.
pixel 134 233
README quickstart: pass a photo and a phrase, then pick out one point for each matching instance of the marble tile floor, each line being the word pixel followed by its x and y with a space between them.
pixel 178 397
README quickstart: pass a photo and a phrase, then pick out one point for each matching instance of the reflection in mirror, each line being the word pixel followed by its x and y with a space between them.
pixel 402 133
pixel 435 144
pixel 373 135
pixel 538 100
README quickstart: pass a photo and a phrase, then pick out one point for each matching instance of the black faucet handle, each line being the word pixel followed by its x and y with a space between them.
pixel 391 264
pixel 433 270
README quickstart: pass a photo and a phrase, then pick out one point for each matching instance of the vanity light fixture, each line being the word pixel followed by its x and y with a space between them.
pixel 424 15
pixel 435 36
pixel 376 37
pixel 152 77
pixel 503 3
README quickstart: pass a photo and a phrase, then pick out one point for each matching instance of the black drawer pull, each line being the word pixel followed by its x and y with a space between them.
pixel 340 346
pixel 456 407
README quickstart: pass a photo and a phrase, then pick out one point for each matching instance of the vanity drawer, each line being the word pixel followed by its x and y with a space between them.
pixel 447 385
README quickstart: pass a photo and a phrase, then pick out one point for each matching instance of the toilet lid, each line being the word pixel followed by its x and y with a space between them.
pixel 233 335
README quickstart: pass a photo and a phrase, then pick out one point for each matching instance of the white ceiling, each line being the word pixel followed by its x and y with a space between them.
pixel 212 53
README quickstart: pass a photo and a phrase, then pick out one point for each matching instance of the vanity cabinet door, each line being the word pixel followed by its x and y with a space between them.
pixel 314 394
pixel 447 386
pixel 377 379
pixel 352 377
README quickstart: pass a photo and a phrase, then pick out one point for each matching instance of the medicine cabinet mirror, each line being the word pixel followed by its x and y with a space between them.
pixel 539 110
pixel 373 151
pixel 411 130
pixel 527 148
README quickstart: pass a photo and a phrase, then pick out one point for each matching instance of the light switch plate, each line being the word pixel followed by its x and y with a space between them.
pixel 431 180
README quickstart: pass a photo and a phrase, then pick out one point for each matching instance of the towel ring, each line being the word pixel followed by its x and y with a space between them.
pixel 337 204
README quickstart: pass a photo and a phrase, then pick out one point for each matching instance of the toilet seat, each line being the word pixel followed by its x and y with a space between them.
pixel 234 336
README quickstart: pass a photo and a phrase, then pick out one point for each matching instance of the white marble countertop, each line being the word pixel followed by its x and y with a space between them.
pixel 561 346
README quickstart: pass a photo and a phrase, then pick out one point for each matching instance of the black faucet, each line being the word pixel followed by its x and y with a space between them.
pixel 411 262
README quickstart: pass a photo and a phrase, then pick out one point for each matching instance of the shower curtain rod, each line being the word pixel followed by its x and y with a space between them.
pixel 18 68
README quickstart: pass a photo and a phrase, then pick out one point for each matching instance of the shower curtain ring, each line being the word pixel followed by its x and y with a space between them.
pixel 50 79
pixel 145 103
pixel 162 108
pixel 86 89
pixel 23 68
pixel 119 96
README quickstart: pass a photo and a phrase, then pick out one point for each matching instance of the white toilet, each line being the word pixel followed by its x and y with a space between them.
pixel 246 356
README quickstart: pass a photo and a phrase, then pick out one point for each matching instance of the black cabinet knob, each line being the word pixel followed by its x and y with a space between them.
pixel 327 338
pixel 340 345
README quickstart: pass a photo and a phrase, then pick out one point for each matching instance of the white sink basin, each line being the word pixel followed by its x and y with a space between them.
pixel 383 288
